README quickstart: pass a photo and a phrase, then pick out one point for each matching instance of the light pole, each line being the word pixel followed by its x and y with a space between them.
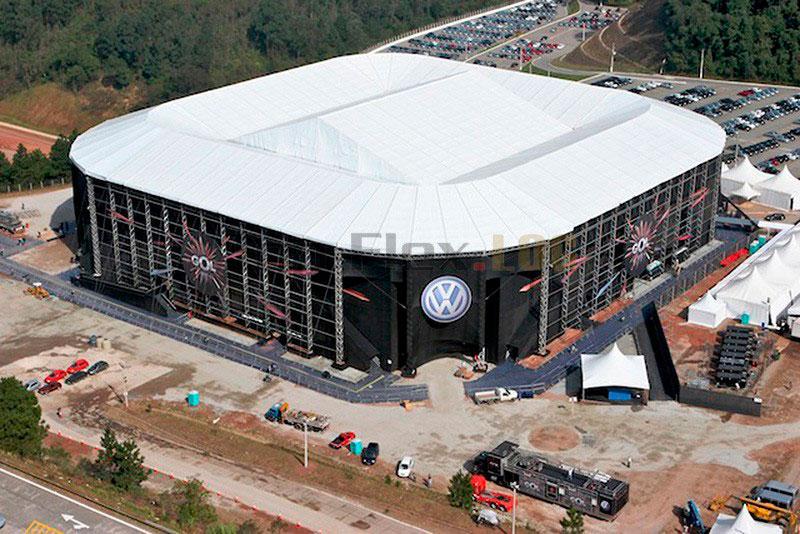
pixel 305 444
pixel 702 61
pixel 514 487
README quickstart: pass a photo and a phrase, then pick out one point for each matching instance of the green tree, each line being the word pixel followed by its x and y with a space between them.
pixel 5 169
pixel 193 508
pixel 29 167
pixel 459 492
pixel 120 463
pixel 60 166
pixel 248 527
pixel 221 528
pixel 21 426
pixel 572 523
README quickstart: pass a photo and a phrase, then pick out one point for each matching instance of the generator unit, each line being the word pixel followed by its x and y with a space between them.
pixel 592 493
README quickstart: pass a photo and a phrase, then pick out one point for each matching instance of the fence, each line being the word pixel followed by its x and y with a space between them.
pixel 718 400
pixel 30 186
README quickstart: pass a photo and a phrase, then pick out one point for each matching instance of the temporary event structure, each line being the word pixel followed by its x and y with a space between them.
pixel 739 174
pixel 707 311
pixel 781 191
pixel 742 523
pixel 614 376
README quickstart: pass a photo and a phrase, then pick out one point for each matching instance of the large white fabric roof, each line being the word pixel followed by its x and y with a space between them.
pixel 414 148
pixel 614 369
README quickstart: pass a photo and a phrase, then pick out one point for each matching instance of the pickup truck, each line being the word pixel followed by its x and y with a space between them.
pixel 495 395
pixel 315 422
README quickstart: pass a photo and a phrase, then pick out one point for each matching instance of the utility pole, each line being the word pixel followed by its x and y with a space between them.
pixel 305 444
pixel 702 61
pixel 583 32
pixel 514 487
pixel 613 53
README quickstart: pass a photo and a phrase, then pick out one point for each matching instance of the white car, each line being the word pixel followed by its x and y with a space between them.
pixel 405 466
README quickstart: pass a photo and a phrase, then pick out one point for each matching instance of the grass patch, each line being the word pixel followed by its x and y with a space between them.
pixel 264 449
pixel 573 7
pixel 533 69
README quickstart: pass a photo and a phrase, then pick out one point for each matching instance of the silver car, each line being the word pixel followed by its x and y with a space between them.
pixel 32 385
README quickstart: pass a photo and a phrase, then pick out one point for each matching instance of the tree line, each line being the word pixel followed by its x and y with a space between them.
pixel 743 39
pixel 170 48
pixel 33 167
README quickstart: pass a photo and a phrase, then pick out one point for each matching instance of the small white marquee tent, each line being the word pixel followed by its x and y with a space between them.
pixel 707 311
pixel 614 369
pixel 743 523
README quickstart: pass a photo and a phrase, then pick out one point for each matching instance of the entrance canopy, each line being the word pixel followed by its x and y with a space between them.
pixel 614 369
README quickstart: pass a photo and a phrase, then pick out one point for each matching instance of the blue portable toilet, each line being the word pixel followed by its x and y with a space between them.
pixel 745 318
pixel 619 395
pixel 356 447
pixel 193 398
pixel 761 240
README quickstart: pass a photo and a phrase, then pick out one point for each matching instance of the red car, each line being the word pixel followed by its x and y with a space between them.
pixel 342 440
pixel 49 388
pixel 496 500
pixel 55 376
pixel 77 365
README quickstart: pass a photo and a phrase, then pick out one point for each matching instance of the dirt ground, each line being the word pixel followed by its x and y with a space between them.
pixel 677 452
pixel 53 257
pixel 41 210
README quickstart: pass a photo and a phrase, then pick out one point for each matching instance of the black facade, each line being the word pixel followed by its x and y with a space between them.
pixel 358 307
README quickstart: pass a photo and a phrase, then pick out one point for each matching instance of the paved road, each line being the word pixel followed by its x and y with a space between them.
pixel 29 505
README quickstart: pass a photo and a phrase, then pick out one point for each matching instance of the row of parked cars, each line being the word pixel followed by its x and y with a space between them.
pixel 761 116
pixel 691 95
pixel 79 370
pixel 593 20
pixel 470 36
pixel 613 82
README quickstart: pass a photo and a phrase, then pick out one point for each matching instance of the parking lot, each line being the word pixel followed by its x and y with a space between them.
pixel 463 40
pixel 763 120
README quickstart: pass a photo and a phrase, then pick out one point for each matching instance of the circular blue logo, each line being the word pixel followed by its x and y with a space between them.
pixel 446 299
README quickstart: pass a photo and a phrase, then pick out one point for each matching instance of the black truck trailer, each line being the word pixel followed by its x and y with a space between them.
pixel 592 493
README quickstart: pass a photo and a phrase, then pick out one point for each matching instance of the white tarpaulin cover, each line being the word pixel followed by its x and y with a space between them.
pixel 707 311
pixel 745 191
pixel 742 523
pixel 401 148
pixel 614 369
pixel 767 284
pixel 782 191
pixel 741 172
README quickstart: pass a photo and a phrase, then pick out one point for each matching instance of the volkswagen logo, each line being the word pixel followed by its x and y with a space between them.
pixel 446 299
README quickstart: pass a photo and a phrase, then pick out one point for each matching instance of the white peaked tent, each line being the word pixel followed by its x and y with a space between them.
pixel 614 369
pixel 752 294
pixel 707 311
pixel 741 173
pixel 743 523
pixel 745 191
pixel 782 191
pixel 725 168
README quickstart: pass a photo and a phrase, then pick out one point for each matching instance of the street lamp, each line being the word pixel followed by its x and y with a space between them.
pixel 514 488
pixel 305 444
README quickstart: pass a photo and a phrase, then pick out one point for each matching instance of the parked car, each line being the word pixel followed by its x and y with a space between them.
pixel 496 500
pixel 33 384
pixel 77 365
pixel 405 466
pixel 342 440
pixel 370 455
pixel 2 520
pixel 55 376
pixel 49 388
pixel 97 367
pixel 74 378
pixel 775 217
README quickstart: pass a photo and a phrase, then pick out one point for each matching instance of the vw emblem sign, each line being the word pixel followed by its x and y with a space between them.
pixel 446 299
